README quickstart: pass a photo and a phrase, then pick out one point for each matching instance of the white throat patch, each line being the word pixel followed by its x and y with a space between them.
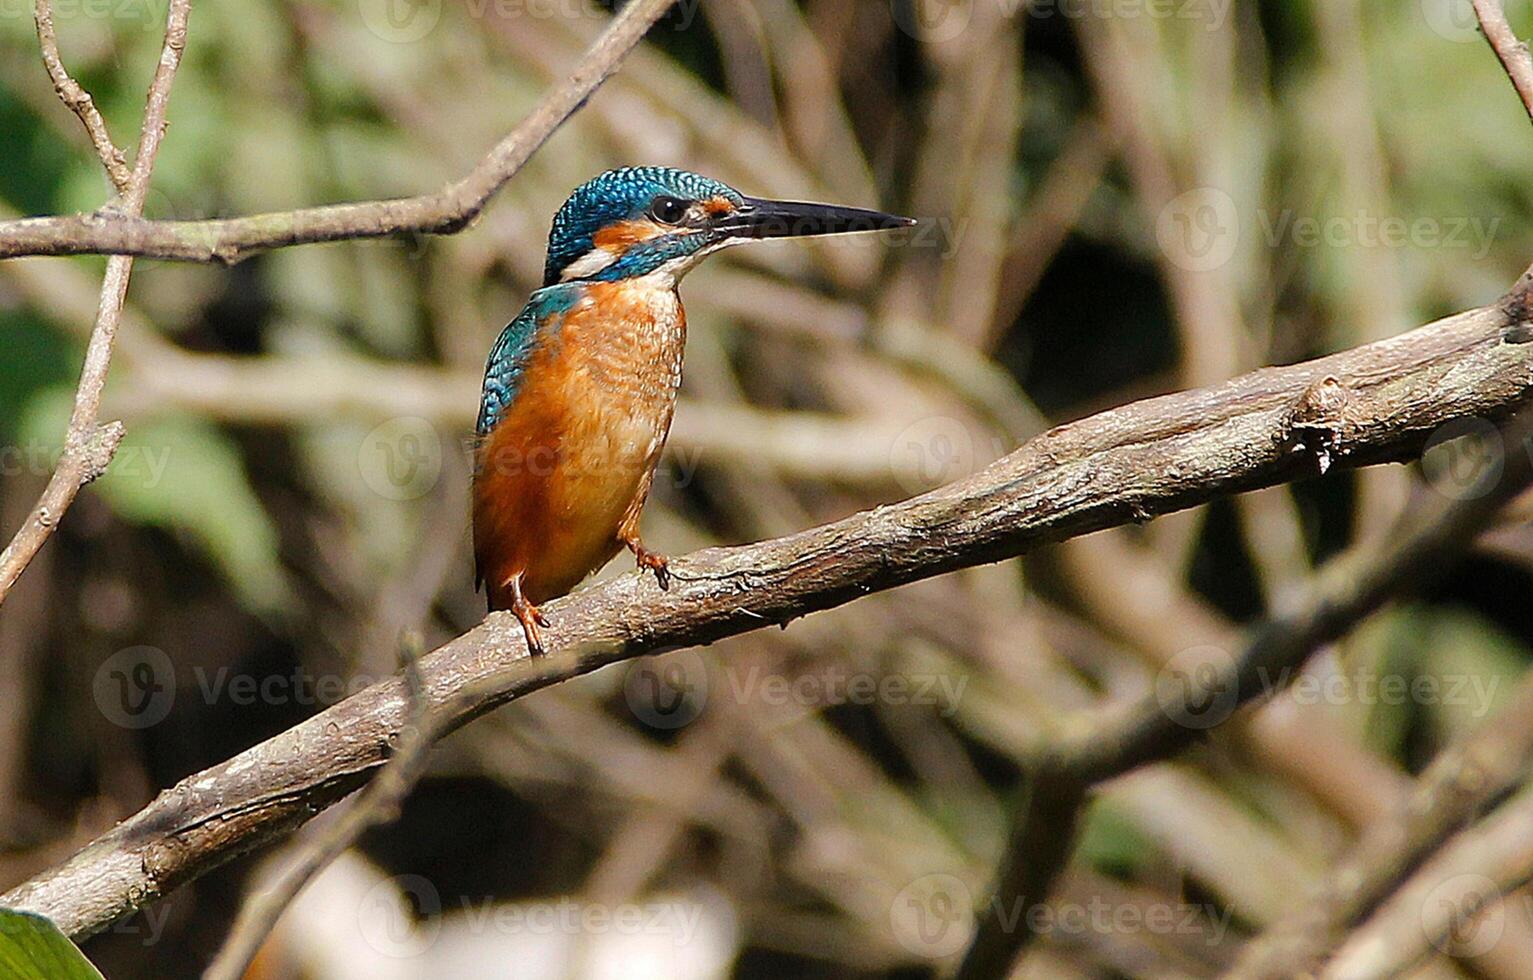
pixel 588 265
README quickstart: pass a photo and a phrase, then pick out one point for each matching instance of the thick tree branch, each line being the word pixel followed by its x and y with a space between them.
pixel 446 211
pixel 74 96
pixel 1373 404
pixel 1346 591
pixel 88 446
pixel 377 804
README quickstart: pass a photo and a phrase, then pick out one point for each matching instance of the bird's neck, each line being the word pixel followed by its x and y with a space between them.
pixel 631 336
pixel 664 278
pixel 646 306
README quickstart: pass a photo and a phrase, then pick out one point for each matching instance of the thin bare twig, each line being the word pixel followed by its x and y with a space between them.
pixel 1512 52
pixel 446 211
pixel 1376 403
pixel 88 446
pixel 74 96
pixel 377 804
pixel 1346 591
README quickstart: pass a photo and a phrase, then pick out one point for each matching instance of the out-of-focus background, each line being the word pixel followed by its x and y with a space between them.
pixel 1117 199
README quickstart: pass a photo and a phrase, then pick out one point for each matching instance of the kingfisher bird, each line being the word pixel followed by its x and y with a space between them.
pixel 580 387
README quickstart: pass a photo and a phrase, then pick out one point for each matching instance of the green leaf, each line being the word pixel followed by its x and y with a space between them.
pixel 181 472
pixel 32 948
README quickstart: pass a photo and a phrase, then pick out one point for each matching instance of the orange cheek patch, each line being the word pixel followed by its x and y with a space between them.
pixel 619 235
pixel 718 205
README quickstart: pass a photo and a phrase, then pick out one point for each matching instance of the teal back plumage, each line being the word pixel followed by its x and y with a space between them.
pixel 508 357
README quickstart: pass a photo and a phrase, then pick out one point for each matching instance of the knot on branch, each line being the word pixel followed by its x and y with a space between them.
pixel 97 450
pixel 1517 326
pixel 1318 420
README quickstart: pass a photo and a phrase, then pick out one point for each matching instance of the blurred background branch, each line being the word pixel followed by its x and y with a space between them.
pixel 1344 592
pixel 1115 204
pixel 1130 463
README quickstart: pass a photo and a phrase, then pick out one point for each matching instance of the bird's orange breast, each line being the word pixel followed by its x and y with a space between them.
pixel 574 451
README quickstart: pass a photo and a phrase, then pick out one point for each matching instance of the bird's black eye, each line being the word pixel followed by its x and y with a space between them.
pixel 668 209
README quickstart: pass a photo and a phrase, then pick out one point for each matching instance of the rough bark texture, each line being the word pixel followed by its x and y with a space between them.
pixel 1373 404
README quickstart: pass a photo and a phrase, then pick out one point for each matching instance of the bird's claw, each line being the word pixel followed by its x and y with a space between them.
pixel 655 562
pixel 531 619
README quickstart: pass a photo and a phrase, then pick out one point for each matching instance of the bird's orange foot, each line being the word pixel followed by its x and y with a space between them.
pixel 652 560
pixel 531 619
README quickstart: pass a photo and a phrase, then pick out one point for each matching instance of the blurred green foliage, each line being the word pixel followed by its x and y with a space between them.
pixel 294 103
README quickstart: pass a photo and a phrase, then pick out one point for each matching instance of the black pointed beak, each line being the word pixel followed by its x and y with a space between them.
pixel 792 219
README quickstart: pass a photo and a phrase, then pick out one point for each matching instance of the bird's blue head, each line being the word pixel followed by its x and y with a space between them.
pixel 638 220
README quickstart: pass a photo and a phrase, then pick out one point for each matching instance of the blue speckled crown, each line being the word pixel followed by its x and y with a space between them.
pixel 615 196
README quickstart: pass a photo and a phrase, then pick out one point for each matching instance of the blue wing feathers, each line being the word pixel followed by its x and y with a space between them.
pixel 512 349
